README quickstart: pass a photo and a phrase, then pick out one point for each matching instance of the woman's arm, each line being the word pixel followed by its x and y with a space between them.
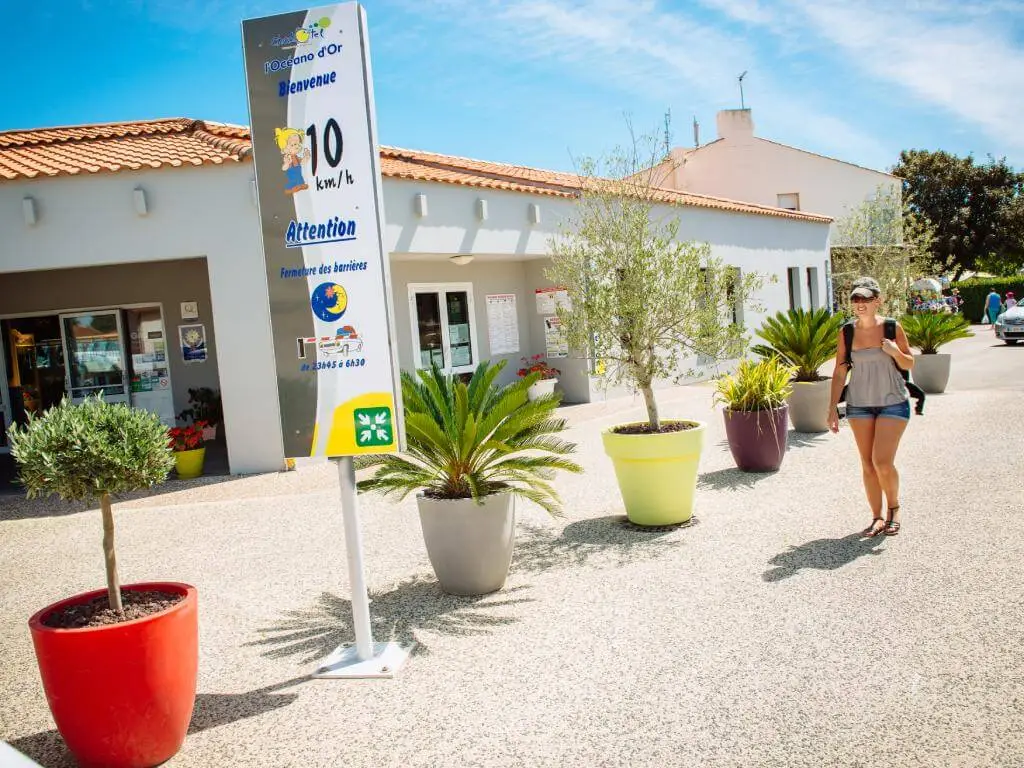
pixel 900 350
pixel 838 382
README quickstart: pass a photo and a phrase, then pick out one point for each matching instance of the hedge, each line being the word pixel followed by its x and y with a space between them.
pixel 974 291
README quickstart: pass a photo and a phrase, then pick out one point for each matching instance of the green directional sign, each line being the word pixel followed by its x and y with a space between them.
pixel 373 427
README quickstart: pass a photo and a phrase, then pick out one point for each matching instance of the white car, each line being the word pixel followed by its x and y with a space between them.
pixel 1009 326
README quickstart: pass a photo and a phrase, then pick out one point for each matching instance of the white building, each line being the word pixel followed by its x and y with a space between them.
pixel 117 239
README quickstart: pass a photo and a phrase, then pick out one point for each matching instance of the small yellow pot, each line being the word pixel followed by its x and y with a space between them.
pixel 657 474
pixel 189 463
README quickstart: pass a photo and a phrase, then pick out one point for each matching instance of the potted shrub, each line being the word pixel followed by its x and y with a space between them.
pixel 545 385
pixel 470 450
pixel 205 406
pixel 118 665
pixel 805 340
pixel 755 412
pixel 927 332
pixel 189 451
pixel 646 306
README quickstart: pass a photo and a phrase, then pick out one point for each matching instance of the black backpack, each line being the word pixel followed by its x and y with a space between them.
pixel 888 332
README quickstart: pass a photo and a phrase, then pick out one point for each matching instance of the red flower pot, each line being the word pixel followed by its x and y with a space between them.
pixel 122 695
pixel 757 439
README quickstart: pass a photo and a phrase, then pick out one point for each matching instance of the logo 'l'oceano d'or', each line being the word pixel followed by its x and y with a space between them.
pixel 302 35
pixel 329 302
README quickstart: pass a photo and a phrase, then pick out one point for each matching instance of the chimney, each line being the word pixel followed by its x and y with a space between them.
pixel 735 125
pixel 696 132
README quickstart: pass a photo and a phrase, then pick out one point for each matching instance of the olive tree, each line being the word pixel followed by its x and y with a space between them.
pixel 644 301
pixel 93 451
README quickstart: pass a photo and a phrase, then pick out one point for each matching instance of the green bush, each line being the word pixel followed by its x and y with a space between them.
pixel 470 441
pixel 756 386
pixel 805 339
pixel 93 451
pixel 928 331
pixel 974 291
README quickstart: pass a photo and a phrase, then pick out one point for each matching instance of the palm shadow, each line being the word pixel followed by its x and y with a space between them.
pixel 211 710
pixel 612 539
pixel 821 554
pixel 730 478
pixel 398 615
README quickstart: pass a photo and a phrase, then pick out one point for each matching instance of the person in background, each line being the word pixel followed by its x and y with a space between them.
pixel 1011 302
pixel 993 305
pixel 957 301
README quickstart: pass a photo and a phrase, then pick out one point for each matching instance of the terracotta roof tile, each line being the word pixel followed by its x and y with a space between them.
pixel 111 147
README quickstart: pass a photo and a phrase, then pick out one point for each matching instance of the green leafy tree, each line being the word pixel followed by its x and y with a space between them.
pixel 976 209
pixel 470 441
pixel 91 451
pixel 643 301
pixel 887 240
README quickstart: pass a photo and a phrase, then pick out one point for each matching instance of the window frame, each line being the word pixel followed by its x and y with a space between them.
pixel 441 290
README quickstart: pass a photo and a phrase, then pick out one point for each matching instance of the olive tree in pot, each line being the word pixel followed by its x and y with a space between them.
pixel 755 412
pixel 927 332
pixel 118 665
pixel 805 340
pixel 647 306
pixel 470 450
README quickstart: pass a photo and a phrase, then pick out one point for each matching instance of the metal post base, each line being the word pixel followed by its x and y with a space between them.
pixel 344 662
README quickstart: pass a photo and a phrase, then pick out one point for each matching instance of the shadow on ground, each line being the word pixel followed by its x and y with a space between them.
pixel 822 555
pixel 591 541
pixel 396 615
pixel 731 479
pixel 211 710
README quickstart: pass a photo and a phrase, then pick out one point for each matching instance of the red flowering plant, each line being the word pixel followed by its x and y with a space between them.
pixel 538 364
pixel 186 438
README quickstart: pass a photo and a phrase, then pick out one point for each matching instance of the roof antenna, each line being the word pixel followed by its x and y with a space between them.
pixel 668 135
pixel 742 103
pixel 696 132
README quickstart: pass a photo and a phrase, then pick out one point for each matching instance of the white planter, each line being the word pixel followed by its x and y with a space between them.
pixel 931 372
pixel 469 544
pixel 808 405
pixel 541 388
pixel 210 433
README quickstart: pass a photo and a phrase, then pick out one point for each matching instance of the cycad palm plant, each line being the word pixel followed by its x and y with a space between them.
pixel 805 339
pixel 473 440
pixel 928 331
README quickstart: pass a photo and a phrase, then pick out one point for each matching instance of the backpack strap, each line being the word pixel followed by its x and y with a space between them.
pixel 848 341
pixel 889 329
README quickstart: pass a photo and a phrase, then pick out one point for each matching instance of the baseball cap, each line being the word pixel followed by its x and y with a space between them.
pixel 866 287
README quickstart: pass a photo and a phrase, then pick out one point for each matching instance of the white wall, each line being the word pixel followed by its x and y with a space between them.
pixel 207 211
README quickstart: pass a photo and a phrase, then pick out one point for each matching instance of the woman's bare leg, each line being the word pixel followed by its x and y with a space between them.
pixel 887 439
pixel 864 433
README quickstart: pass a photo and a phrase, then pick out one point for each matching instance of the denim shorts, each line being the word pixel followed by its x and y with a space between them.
pixel 896 411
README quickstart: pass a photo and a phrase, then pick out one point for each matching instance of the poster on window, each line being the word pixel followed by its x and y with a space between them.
pixel 550 299
pixel 318 185
pixel 555 342
pixel 502 324
pixel 193 343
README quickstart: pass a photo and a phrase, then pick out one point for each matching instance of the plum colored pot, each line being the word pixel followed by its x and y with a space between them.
pixel 757 439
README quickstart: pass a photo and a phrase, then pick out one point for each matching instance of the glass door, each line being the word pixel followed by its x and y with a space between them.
pixel 444 331
pixel 94 347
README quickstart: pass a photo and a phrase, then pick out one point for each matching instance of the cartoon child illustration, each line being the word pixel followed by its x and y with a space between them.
pixel 290 142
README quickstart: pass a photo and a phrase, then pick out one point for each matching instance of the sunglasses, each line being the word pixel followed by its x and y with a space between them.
pixel 862 299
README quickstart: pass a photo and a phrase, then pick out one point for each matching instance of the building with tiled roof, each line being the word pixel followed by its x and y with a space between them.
pixel 125 243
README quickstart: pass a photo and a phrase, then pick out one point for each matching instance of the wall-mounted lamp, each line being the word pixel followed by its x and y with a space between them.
pixel 28 210
pixel 462 260
pixel 140 201
pixel 419 204
pixel 481 209
pixel 533 213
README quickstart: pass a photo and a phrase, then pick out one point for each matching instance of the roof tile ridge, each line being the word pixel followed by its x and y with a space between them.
pixel 441 165
pixel 45 137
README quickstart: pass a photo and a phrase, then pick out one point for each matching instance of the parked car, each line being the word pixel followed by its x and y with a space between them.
pixel 1009 326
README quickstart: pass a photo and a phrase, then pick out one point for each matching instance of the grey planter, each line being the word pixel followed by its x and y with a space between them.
pixel 808 405
pixel 469 544
pixel 931 372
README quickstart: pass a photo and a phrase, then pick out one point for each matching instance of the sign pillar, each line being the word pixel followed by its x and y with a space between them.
pixel 318 185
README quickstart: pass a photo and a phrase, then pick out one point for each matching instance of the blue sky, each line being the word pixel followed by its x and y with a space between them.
pixel 536 82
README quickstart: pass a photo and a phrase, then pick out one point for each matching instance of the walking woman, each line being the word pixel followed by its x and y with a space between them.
pixel 877 403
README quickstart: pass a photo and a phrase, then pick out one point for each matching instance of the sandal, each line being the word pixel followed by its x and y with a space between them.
pixel 892 527
pixel 874 529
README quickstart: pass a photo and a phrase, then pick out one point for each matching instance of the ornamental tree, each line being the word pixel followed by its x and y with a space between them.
pixel 644 302
pixel 93 451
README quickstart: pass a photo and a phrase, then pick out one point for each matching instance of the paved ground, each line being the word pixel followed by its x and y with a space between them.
pixel 767 634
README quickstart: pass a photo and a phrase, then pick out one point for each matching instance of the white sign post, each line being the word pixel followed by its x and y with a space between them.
pixel 319 189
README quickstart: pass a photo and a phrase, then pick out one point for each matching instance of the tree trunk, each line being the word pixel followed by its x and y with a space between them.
pixel 110 559
pixel 652 406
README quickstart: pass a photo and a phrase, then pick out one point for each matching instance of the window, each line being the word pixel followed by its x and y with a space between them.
pixel 443 326
pixel 789 200
pixel 793 280
pixel 812 287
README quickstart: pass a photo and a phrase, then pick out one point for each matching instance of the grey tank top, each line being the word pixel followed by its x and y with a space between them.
pixel 874 380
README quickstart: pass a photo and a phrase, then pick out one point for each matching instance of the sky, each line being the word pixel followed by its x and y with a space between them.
pixel 542 82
